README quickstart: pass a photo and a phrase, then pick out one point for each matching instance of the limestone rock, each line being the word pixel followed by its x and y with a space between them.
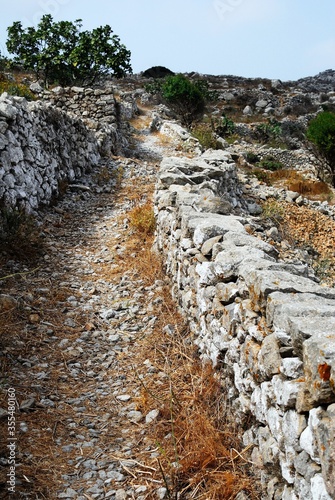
pixel 325 433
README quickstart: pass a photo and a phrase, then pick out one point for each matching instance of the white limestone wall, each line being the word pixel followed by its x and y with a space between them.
pixel 266 325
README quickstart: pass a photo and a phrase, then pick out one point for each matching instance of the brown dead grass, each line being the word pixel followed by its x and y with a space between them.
pixel 294 181
pixel 199 444
pixel 306 228
pixel 140 121
pixel 142 218
pixel 199 448
pixel 162 139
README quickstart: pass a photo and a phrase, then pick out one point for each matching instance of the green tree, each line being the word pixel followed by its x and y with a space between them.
pixel 184 98
pixel 321 132
pixel 60 52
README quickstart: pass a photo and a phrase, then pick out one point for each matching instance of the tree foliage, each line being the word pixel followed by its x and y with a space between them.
pixel 185 97
pixel 60 52
pixel 321 132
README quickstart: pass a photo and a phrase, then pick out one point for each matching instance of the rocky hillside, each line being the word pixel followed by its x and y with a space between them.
pixel 101 363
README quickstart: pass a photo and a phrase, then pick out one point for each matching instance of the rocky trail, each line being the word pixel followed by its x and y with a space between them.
pixel 107 384
pixel 71 334
pixel 99 361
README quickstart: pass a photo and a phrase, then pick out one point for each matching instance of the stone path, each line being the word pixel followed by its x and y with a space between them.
pixel 76 333
pixel 71 349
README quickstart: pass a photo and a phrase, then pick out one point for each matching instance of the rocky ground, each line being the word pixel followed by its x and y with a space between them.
pixel 99 356
pixel 83 328
pixel 70 348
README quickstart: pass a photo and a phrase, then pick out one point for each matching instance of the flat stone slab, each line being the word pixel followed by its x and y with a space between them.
pixel 214 225
pixel 282 307
pixel 263 283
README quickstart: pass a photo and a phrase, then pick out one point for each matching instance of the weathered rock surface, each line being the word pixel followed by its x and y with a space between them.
pixel 266 322
pixel 41 148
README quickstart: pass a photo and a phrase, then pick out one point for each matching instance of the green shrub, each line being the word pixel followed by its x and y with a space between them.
pixel 270 163
pixel 261 175
pixel 269 131
pixel 251 157
pixel 225 127
pixel 184 98
pixel 207 94
pixel 204 133
pixel 321 132
pixel 13 88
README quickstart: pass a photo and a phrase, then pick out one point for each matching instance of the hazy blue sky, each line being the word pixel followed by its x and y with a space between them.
pixel 286 39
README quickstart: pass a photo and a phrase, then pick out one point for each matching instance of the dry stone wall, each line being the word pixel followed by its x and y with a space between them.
pixel 40 147
pixel 266 325
pixel 56 139
pixel 101 112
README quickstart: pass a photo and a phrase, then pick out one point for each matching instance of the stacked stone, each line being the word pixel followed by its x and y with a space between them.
pixel 100 111
pixel 40 147
pixel 95 104
pixel 267 323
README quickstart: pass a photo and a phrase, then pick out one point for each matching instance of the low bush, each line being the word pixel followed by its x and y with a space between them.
pixel 270 131
pixel 13 88
pixel 270 163
pixel 224 127
pixel 261 175
pixel 251 157
pixel 19 234
pixel 204 133
pixel 184 97
pixel 142 219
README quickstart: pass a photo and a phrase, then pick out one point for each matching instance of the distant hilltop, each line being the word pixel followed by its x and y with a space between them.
pixel 322 82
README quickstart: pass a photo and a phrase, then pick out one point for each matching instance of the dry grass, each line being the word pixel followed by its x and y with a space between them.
pixel 309 229
pixel 140 121
pixel 39 473
pixel 195 448
pixel 142 218
pixel 163 140
pixel 295 181
pixel 199 444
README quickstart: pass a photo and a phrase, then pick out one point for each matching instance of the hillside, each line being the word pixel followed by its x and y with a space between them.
pixel 167 296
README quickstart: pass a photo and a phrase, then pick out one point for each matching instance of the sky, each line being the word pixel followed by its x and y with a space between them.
pixel 284 39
